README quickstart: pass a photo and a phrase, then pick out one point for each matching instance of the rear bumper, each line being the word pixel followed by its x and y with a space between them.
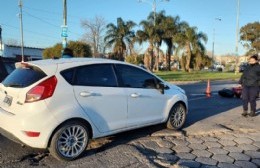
pixel 13 126
pixel 10 136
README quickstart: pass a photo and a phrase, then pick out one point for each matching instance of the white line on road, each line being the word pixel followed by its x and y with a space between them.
pixel 201 94
pixel 198 98
pixel 198 94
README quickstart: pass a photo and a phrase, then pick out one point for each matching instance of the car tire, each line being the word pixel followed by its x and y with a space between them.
pixel 177 116
pixel 69 141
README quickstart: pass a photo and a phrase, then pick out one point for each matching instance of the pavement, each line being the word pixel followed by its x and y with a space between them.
pixel 227 140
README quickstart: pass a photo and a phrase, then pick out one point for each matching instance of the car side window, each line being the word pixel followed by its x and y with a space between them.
pixel 101 75
pixel 135 78
pixel 68 75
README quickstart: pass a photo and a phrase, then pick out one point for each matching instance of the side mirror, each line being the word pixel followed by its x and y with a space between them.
pixel 161 87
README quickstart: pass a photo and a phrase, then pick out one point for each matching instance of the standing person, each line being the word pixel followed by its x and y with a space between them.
pixel 250 81
pixel 67 53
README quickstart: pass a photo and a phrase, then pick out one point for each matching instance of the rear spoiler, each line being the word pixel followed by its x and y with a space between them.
pixel 47 69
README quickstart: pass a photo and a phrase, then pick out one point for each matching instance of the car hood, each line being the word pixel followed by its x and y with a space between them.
pixel 172 86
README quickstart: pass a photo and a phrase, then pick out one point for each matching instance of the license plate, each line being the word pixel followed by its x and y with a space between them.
pixel 8 100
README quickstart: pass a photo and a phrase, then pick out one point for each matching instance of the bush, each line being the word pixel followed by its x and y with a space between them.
pixel 135 59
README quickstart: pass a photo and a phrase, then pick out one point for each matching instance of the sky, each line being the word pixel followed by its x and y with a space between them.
pixel 42 19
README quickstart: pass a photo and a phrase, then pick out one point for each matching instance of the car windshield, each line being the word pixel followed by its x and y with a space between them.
pixel 23 77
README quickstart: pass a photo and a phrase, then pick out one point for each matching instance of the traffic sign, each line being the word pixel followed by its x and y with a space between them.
pixel 64 31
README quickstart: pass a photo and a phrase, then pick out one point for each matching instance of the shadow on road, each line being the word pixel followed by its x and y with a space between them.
pixel 201 107
pixel 208 107
pixel 101 144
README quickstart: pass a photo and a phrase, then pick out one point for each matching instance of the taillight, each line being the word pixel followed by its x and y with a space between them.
pixel 42 91
pixel 32 134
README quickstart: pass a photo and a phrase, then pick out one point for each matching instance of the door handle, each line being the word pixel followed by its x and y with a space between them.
pixel 86 94
pixel 135 95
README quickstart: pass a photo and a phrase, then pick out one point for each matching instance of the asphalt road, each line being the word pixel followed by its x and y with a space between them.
pixel 201 107
pixel 113 151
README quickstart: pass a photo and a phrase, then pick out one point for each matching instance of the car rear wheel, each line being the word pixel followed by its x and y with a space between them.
pixel 69 141
pixel 177 116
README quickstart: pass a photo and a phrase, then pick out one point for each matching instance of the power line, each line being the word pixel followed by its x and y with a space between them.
pixel 41 19
pixel 50 12
pixel 29 31
pixel 41 10
pixel 54 13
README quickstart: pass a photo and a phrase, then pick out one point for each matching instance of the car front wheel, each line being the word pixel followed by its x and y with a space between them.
pixel 69 141
pixel 177 116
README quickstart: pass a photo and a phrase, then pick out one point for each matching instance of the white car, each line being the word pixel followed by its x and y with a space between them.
pixel 60 104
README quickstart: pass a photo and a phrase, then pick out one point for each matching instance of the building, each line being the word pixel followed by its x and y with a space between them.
pixel 13 51
pixel 231 59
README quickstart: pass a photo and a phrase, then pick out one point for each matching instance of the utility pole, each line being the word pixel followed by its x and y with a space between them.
pixel 21 27
pixel 1 42
pixel 237 38
pixel 64 27
pixel 213 43
pixel 154 13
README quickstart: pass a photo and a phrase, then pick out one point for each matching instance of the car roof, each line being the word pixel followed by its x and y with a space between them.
pixel 72 61
pixel 50 66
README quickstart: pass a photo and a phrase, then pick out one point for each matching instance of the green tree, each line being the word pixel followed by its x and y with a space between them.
pixel 158 34
pixel 153 34
pixel 54 51
pixel 80 49
pixel 199 50
pixel 146 35
pixel 250 36
pixel 135 59
pixel 171 27
pixel 192 43
pixel 119 37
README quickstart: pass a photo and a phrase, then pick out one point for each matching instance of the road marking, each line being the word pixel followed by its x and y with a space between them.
pixel 201 94
pixel 198 94
pixel 198 98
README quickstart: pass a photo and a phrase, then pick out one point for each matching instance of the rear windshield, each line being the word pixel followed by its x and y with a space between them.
pixel 9 66
pixel 23 77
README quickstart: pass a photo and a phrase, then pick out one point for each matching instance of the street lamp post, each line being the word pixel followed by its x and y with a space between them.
pixel 213 43
pixel 237 34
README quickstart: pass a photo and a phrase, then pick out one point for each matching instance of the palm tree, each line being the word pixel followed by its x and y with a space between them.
pixel 158 34
pixel 199 53
pixel 120 36
pixel 152 32
pixel 147 35
pixel 191 41
pixel 171 27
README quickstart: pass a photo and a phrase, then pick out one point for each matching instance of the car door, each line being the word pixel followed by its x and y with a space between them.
pixel 96 90
pixel 146 104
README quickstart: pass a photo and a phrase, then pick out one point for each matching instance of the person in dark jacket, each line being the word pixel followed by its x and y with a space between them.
pixel 250 81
